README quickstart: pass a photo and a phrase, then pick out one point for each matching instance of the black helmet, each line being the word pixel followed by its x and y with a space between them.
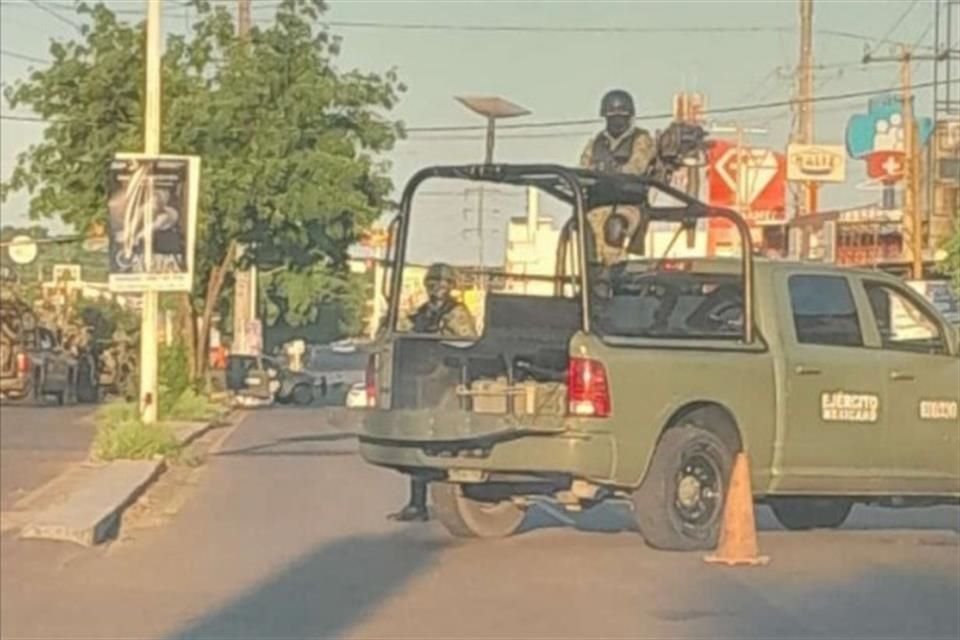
pixel 441 272
pixel 617 103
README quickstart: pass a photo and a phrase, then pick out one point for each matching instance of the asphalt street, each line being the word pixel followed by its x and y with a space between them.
pixel 284 536
pixel 37 444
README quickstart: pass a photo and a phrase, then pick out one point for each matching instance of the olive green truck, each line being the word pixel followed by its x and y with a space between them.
pixel 641 381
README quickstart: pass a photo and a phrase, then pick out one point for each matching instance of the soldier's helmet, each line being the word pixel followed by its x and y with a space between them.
pixel 617 103
pixel 440 272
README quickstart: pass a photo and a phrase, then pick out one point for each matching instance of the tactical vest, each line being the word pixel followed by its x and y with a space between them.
pixel 611 160
pixel 429 317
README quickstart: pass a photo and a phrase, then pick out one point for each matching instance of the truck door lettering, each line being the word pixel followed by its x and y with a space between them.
pixel 938 410
pixel 843 406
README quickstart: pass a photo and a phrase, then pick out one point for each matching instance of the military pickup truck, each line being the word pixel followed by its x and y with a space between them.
pixel 641 380
pixel 36 365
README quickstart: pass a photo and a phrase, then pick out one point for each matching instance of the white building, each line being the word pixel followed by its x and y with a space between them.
pixel 531 250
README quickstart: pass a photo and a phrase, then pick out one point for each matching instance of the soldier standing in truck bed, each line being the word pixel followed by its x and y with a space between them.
pixel 444 315
pixel 621 147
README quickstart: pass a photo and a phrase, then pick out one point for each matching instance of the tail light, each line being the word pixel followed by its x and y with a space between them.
pixel 23 363
pixel 588 391
pixel 371 381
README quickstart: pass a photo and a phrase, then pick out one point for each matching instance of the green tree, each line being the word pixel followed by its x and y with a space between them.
pixel 952 264
pixel 291 146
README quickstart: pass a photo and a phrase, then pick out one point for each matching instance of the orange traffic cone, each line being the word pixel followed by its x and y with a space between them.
pixel 738 538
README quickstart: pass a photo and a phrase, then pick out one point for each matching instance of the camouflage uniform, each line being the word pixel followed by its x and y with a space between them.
pixel 449 318
pixel 442 314
pixel 631 153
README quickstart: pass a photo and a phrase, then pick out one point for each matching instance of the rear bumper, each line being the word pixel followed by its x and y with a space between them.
pixel 461 440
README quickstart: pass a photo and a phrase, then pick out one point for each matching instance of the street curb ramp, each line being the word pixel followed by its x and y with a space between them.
pixel 90 514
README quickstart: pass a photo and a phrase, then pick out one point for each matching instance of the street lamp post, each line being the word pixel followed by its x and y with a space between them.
pixel 492 108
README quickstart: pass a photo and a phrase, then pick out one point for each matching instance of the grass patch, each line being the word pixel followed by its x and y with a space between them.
pixel 193 406
pixel 122 435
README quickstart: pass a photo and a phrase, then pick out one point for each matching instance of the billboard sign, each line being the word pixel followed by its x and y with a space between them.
pixel 816 163
pixel 752 177
pixel 877 137
pixel 152 211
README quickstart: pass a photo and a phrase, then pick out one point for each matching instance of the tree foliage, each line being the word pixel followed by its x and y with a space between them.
pixel 952 264
pixel 291 147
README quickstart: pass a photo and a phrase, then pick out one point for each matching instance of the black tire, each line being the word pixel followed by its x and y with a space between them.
pixel 468 518
pixel 302 395
pixel 802 514
pixel 679 505
pixel 87 392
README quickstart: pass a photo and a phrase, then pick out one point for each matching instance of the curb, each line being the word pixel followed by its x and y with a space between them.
pixel 90 513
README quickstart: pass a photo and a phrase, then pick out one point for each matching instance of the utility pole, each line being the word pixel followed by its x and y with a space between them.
pixel 244 293
pixel 911 169
pixel 151 146
pixel 912 219
pixel 804 131
pixel 243 18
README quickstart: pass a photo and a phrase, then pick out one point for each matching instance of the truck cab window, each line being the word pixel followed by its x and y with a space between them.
pixel 824 311
pixel 901 323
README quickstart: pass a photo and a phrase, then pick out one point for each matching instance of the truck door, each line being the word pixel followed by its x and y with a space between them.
pixel 923 390
pixel 834 389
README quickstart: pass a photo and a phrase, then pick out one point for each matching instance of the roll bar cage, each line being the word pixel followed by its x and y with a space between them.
pixel 584 190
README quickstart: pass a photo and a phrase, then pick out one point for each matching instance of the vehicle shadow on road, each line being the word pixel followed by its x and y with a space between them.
pixel 285 446
pixel 321 594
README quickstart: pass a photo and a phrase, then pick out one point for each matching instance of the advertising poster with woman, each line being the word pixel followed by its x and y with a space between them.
pixel 152 206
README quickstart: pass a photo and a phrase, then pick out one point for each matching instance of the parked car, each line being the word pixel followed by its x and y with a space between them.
pixel 266 378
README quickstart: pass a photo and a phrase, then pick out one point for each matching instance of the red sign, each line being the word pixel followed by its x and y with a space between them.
pixel 752 177
pixel 886 166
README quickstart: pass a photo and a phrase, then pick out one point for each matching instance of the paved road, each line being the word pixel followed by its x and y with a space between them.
pixel 284 537
pixel 37 443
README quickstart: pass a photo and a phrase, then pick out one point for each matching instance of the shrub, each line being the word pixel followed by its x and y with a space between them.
pixel 121 435
pixel 173 376
pixel 191 405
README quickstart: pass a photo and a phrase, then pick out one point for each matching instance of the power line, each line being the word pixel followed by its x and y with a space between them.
pixel 21 56
pixel 759 106
pixel 656 116
pixel 898 22
pixel 55 14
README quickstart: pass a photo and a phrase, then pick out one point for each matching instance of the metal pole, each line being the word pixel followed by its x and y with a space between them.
pixel 487 159
pixel 491 134
pixel 151 144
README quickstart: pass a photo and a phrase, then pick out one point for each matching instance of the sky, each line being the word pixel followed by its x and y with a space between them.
pixel 560 75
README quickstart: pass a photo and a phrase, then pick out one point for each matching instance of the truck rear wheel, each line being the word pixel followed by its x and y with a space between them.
pixel 800 514
pixel 468 518
pixel 679 505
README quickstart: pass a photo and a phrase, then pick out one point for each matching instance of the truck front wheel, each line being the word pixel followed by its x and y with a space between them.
pixel 679 505
pixel 800 514
pixel 465 517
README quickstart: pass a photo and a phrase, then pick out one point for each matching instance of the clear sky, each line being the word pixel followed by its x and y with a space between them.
pixel 560 76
